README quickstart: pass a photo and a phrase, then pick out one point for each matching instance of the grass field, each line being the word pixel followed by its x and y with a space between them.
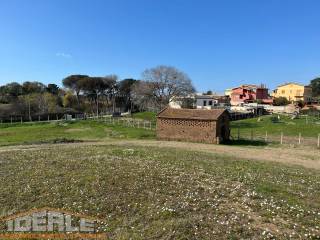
pixel 285 124
pixel 11 134
pixel 162 193
pixel 150 116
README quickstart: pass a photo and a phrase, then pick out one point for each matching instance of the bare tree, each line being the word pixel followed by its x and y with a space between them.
pixel 165 82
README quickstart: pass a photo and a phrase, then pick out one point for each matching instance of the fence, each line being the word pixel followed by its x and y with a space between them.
pixel 127 122
pixel 123 121
pixel 280 138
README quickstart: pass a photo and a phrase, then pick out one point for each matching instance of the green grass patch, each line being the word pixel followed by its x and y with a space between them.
pixel 162 193
pixel 270 124
pixel 70 131
pixel 150 116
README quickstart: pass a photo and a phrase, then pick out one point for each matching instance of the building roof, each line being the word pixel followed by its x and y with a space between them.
pixel 183 113
pixel 207 96
pixel 285 84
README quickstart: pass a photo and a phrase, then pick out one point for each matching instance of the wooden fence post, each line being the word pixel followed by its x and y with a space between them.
pixel 266 138
pixel 299 139
pixel 281 138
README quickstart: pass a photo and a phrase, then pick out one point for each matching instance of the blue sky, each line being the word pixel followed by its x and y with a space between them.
pixel 219 44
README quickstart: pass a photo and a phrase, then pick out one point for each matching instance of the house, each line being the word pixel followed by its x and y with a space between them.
pixel 249 94
pixel 206 101
pixel 294 92
pixel 196 125
pixel 228 92
pixel 211 101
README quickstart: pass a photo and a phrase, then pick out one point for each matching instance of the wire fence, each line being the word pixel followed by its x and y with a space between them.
pixel 280 138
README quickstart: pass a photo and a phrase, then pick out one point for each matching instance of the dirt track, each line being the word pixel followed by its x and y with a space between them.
pixel 306 157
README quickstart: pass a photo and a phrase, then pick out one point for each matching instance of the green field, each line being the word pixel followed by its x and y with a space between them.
pixel 160 193
pixel 289 127
pixel 30 133
pixel 150 116
pixel 11 134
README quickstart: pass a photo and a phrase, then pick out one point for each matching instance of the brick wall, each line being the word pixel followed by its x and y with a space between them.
pixel 187 130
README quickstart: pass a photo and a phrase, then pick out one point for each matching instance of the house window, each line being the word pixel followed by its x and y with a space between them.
pixel 283 91
pixel 210 103
pixel 204 103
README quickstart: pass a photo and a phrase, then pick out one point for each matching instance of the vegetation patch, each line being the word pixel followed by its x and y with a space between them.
pixel 164 193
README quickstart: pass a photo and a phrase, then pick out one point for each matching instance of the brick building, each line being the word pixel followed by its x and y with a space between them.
pixel 195 125
pixel 249 94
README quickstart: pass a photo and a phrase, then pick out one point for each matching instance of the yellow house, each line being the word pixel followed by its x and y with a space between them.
pixel 294 92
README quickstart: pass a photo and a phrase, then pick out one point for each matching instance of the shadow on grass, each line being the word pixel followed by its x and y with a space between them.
pixel 243 142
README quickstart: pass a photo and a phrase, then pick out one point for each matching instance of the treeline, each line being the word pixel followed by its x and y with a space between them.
pixel 95 95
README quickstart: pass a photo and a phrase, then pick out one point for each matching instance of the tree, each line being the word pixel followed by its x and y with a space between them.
pixel 69 100
pixel 142 96
pixel 280 101
pixel 73 82
pixel 165 82
pixel 33 87
pixel 53 89
pixel 93 87
pixel 315 85
pixel 10 92
pixel 125 90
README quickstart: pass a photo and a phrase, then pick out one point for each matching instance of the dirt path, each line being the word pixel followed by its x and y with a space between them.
pixel 309 158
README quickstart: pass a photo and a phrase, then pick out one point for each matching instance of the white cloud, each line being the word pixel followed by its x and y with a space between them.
pixel 63 55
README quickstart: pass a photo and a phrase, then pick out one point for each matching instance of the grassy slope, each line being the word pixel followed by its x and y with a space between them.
pixel 82 130
pixel 286 125
pixel 164 193
pixel 150 116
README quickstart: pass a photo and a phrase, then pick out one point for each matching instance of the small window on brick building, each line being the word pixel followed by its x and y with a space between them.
pixel 210 103
pixel 204 103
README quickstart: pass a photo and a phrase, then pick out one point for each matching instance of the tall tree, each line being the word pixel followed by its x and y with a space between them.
pixel 93 87
pixel 10 92
pixel 53 89
pixel 33 87
pixel 73 82
pixel 125 89
pixel 315 85
pixel 166 82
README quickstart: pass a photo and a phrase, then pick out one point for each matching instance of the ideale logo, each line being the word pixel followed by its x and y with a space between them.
pixel 50 223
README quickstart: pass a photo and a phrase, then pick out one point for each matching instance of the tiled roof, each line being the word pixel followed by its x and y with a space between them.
pixel 182 113
pixel 281 85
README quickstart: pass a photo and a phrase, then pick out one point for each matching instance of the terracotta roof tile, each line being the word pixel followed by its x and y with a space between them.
pixel 182 113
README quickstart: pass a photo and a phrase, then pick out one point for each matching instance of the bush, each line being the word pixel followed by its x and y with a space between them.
pixel 280 101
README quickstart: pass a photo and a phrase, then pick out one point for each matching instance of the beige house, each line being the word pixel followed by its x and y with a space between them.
pixel 294 92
